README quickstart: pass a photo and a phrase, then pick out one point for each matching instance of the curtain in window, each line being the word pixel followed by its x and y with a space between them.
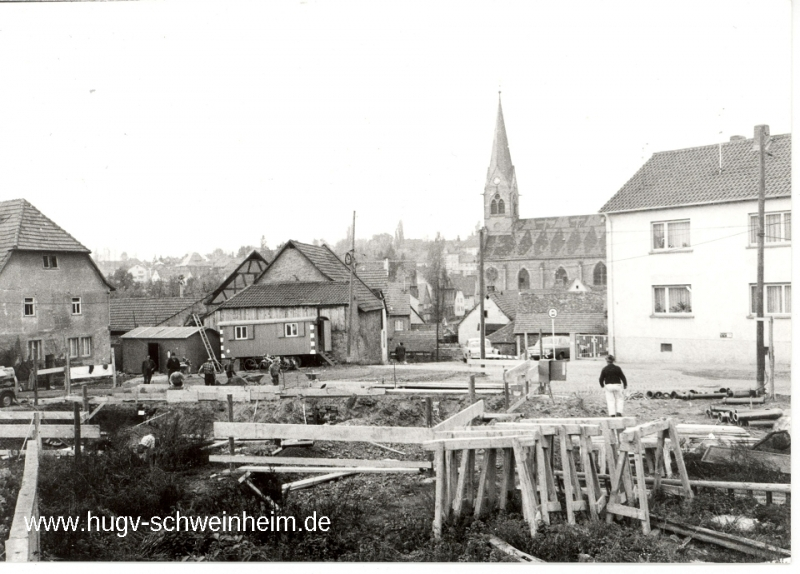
pixel 658 236
pixel 680 300
pixel 753 229
pixel 678 234
pixel 773 227
pixel 774 299
pixel 660 304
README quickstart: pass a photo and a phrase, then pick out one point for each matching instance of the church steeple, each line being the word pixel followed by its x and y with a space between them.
pixel 500 196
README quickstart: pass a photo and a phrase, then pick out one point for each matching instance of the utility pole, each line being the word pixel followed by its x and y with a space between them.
pixel 760 136
pixel 352 264
pixel 481 288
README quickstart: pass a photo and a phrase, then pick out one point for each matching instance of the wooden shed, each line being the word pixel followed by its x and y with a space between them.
pixel 156 341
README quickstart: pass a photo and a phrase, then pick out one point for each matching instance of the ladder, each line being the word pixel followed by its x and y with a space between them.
pixel 209 351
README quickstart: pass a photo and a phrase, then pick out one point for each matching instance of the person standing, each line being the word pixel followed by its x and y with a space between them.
pixel 209 373
pixel 613 380
pixel 400 353
pixel 229 371
pixel 173 365
pixel 148 368
pixel 275 370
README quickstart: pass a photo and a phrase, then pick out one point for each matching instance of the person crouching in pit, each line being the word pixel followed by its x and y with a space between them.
pixel 613 380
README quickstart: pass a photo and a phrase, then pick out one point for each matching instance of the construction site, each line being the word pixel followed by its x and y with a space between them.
pixel 483 461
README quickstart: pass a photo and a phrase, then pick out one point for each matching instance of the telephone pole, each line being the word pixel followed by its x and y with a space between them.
pixel 351 261
pixel 760 136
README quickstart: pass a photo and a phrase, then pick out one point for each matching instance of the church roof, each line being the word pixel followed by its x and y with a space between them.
pixel 501 156
pixel 550 238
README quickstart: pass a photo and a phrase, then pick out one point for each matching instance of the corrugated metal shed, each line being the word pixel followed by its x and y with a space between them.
pixel 161 333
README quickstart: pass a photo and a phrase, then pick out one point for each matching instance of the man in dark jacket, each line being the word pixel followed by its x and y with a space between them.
pixel 400 353
pixel 613 380
pixel 173 365
pixel 148 368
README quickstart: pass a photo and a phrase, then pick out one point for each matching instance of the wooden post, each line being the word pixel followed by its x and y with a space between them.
pixel 505 394
pixel 771 360
pixel 760 137
pixel 114 369
pixel 440 501
pixel 428 412
pixel 38 437
pixel 471 389
pixel 76 413
pixel 85 392
pixel 507 481
pixel 67 379
pixel 231 444
pixel 35 390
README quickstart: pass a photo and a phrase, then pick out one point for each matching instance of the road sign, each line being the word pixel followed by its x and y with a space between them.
pixel 553 313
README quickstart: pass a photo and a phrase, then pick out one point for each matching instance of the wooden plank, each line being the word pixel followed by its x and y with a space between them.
pixel 484 432
pixel 440 492
pixel 460 420
pixel 639 463
pixel 551 429
pixel 527 488
pixel 48 431
pixel 507 480
pixel 775 461
pixel 616 423
pixel 342 433
pixel 645 429
pixel 331 393
pixel 333 462
pixel 461 486
pixel 23 544
pixel 621 510
pixel 506 548
pixel 501 416
pixel 309 482
pixel 316 469
pixel 28 415
pixel 480 442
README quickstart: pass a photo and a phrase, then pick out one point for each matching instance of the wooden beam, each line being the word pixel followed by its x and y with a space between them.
pixel 482 442
pixel 645 429
pixel 342 433
pixel 460 420
pixel 506 548
pixel 49 431
pixel 552 428
pixel 316 469
pixel 775 461
pixel 309 482
pixel 333 462
pixel 28 415
pixel 23 543
pixel 615 423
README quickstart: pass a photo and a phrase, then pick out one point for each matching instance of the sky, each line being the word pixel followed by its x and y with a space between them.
pixel 162 128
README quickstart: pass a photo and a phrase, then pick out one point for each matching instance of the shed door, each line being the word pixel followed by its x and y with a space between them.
pixel 324 334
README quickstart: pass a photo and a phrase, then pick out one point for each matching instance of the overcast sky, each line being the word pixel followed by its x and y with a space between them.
pixel 160 128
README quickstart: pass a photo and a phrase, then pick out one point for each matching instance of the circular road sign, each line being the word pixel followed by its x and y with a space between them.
pixel 553 313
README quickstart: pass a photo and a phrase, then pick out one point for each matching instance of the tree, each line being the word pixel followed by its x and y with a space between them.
pixel 398 235
pixel 244 251
pixel 122 280
pixel 436 276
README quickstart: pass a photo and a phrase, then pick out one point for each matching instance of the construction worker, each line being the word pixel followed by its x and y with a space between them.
pixel 613 380
pixel 275 370
pixel 173 365
pixel 148 368
pixel 209 373
pixel 146 448
pixel 176 380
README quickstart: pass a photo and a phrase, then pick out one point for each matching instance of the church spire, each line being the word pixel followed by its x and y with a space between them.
pixel 501 156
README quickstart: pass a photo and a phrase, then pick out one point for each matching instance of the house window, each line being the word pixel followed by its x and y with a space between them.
pixel 671 234
pixel 600 274
pixel 35 350
pixel 524 280
pixel 561 277
pixel 74 345
pixel 672 299
pixel 86 346
pixel 777 227
pixel 398 325
pixel 666 347
pixel 777 299
pixel 240 333
pixel 76 305
pixel 290 329
pixel 29 307
pixel 50 261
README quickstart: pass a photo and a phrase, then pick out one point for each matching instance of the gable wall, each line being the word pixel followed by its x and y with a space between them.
pixel 292 266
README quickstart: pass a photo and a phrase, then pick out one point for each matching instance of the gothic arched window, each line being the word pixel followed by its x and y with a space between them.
pixel 600 274
pixel 561 277
pixel 524 280
pixel 494 207
pixel 501 207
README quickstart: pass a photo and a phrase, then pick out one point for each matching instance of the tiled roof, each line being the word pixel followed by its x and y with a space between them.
pixel 375 278
pixel 501 156
pixel 693 176
pixel 161 333
pixel 507 301
pixel 25 228
pixel 542 300
pixel 464 283
pixel 300 294
pixel 550 238
pixel 589 323
pixel 127 314
pixel 397 302
pixel 503 335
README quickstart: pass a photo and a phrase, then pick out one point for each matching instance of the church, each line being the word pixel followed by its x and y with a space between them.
pixel 555 253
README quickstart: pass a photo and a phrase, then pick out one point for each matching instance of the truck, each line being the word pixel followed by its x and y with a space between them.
pixel 8 386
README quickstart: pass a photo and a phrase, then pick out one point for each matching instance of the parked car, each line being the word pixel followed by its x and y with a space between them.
pixel 8 386
pixel 557 347
pixel 472 350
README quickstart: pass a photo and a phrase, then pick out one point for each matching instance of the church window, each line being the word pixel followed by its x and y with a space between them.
pixel 561 277
pixel 494 207
pixel 524 280
pixel 600 274
pixel 501 207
